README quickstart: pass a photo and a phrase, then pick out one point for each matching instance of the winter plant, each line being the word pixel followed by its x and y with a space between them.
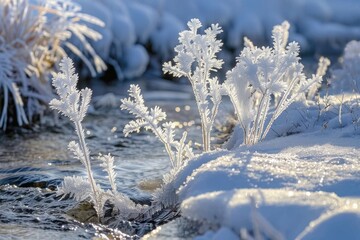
pixel 74 105
pixel 263 76
pixel 195 60
pixel 150 120
pixel 33 37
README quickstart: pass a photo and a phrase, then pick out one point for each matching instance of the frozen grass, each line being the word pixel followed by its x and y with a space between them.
pixel 33 37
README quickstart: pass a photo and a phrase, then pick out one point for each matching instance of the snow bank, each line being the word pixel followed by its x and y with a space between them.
pixel 298 186
pixel 304 185
pixel 322 26
pixel 295 214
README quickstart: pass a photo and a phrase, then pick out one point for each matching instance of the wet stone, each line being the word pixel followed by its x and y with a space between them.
pixel 84 212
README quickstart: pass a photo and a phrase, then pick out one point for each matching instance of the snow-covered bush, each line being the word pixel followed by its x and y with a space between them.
pixel 195 60
pixel 265 74
pixel 347 78
pixel 34 35
pixel 74 105
pixel 178 151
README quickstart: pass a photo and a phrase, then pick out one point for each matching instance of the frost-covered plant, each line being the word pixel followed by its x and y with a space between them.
pixel 265 74
pixel 195 60
pixel 74 105
pixel 150 120
pixel 33 35
pixel 347 78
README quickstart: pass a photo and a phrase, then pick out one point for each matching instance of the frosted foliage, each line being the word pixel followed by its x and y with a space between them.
pixel 195 60
pixel 108 165
pixel 150 120
pixel 74 105
pixel 33 37
pixel 263 74
pixel 347 78
pixel 77 187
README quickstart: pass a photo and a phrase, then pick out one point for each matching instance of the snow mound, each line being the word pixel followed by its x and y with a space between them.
pixel 318 161
pixel 293 213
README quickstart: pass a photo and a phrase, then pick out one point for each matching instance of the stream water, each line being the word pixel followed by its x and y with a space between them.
pixel 34 162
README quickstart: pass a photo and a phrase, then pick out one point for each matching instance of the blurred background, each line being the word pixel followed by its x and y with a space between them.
pixel 141 34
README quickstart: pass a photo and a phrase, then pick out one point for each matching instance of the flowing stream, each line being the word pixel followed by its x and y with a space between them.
pixel 34 162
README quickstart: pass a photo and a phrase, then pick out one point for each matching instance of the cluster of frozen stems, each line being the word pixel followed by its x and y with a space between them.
pixel 264 82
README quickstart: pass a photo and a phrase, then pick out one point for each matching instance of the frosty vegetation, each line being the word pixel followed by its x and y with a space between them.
pixel 34 35
pixel 263 79
pixel 150 120
pixel 196 59
pixel 74 105
pixel 265 74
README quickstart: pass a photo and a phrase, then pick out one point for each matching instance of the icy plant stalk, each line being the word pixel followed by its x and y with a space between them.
pixel 263 74
pixel 74 105
pixel 196 59
pixel 150 120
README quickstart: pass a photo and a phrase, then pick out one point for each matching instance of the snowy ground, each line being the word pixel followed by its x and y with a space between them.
pixel 302 186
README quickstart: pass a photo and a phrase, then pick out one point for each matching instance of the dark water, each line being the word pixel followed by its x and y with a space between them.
pixel 33 163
